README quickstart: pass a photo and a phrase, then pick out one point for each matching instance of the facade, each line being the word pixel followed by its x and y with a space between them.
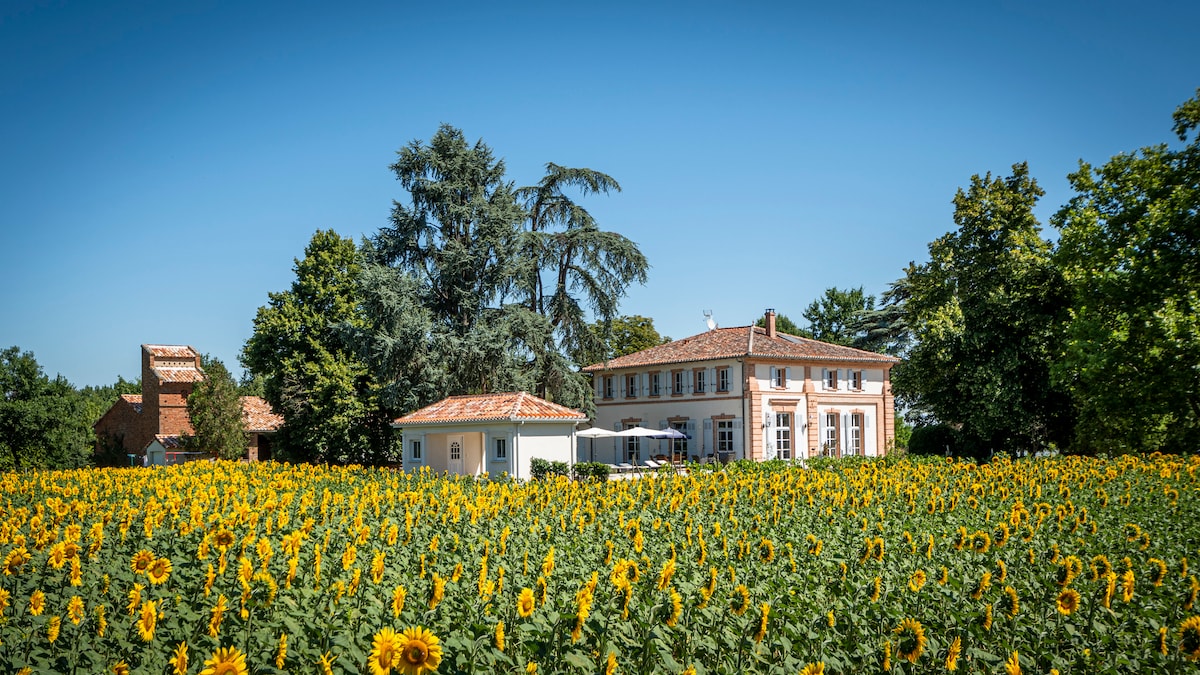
pixel 488 433
pixel 749 393
pixel 148 426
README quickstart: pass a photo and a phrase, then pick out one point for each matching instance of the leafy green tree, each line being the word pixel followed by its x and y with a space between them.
pixel 623 335
pixel 216 413
pixel 984 311
pixel 44 422
pixel 571 266
pixel 885 329
pixel 783 324
pixel 326 394
pixel 1128 251
pixel 458 240
pixel 832 317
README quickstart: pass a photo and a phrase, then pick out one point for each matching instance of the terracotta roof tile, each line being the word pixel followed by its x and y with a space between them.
pixel 169 442
pixel 134 400
pixel 740 342
pixel 171 351
pixel 490 407
pixel 258 415
pixel 178 374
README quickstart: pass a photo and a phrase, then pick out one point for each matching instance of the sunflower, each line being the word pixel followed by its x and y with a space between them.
pixel 398 596
pixel 1127 586
pixel 1100 567
pixel 876 589
pixel 739 601
pixel 218 612
pixel 910 640
pixel 226 661
pixel 499 641
pixel 101 621
pixel 1160 641
pixel 120 668
pixel 766 550
pixel 1013 665
pixel 525 603
pixel 281 653
pixel 384 651
pixel 438 592
pixel 985 580
pixel 952 654
pixel 761 633
pixel 419 652
pixel 987 617
pixel 5 596
pixel 179 659
pixel 610 664
pixel 1189 598
pixel 676 609
pixel 943 576
pixel 1010 603
pixel 887 657
pixel 159 570
pixel 1068 601
pixel 53 628
pixel 817 668
pixel 325 663
pixel 75 609
pixel 147 621
pixel 141 561
pixel 1158 571
pixel 37 603
pixel 916 581
pixel 1189 638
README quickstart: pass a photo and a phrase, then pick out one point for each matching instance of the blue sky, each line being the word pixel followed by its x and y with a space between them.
pixel 163 163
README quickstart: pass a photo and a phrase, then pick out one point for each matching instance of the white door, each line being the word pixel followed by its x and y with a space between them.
pixel 456 454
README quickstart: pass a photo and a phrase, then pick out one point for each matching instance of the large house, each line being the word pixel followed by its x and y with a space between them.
pixel 748 393
pixel 149 426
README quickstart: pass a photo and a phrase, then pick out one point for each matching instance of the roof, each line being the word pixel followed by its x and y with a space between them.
pixel 258 415
pixel 169 442
pixel 178 374
pixel 171 351
pixel 134 400
pixel 737 343
pixel 507 406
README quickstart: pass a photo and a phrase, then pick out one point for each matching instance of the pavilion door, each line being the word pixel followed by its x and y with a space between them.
pixel 455 465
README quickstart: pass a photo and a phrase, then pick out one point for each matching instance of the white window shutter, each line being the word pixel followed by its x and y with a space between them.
pixel 690 430
pixel 710 380
pixel 737 437
pixel 616 426
pixel 824 378
pixel 787 381
pixel 772 376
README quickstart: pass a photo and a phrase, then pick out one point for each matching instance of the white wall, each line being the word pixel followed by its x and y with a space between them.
pixel 551 441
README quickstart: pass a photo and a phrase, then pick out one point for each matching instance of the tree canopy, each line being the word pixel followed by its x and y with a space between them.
pixel 216 413
pixel 323 390
pixel 44 422
pixel 984 311
pixel 1128 252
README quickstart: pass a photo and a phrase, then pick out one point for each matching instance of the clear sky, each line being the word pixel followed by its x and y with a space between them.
pixel 163 163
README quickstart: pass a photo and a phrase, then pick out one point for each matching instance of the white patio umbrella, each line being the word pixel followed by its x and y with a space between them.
pixel 593 433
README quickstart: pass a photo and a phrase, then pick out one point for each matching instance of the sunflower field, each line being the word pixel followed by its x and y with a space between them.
pixel 1067 565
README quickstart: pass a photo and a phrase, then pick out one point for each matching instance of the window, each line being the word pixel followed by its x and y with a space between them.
pixel 655 384
pixel 781 378
pixel 501 446
pixel 856 434
pixel 416 450
pixel 700 375
pixel 831 378
pixel 677 383
pixel 631 386
pixel 608 386
pixel 830 446
pixel 783 435
pixel 679 445
pixel 722 379
pixel 724 439
pixel 856 380
pixel 633 445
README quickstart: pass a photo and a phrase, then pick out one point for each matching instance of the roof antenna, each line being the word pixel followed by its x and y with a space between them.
pixel 712 325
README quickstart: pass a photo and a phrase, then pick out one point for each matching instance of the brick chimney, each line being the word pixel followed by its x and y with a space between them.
pixel 769 319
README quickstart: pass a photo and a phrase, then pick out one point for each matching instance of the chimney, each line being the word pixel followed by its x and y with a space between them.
pixel 769 319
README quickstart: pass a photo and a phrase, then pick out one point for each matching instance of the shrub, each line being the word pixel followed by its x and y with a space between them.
pixel 540 468
pixel 933 439
pixel 593 471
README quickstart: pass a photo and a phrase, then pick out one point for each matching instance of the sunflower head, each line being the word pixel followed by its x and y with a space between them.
pixel 420 652
pixel 1189 638
pixel 225 661
pixel 1068 601
pixel 525 603
pixel 910 640
pixel 384 651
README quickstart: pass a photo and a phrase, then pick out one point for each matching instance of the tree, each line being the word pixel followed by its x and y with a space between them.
pixel 783 324
pixel 478 287
pixel 1128 252
pixel 324 391
pixel 833 316
pixel 216 413
pixel 984 311
pixel 623 335
pixel 587 269
pixel 885 329
pixel 44 422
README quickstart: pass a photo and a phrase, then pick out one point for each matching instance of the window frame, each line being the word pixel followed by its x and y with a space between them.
pixel 858 422
pixel 723 435
pixel 831 379
pixel 656 383
pixel 699 381
pixel 723 380
pixel 780 378
pixel 631 385
pixel 607 387
pixel 783 434
pixel 856 380
pixel 677 388
pixel 415 451
pixel 500 449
